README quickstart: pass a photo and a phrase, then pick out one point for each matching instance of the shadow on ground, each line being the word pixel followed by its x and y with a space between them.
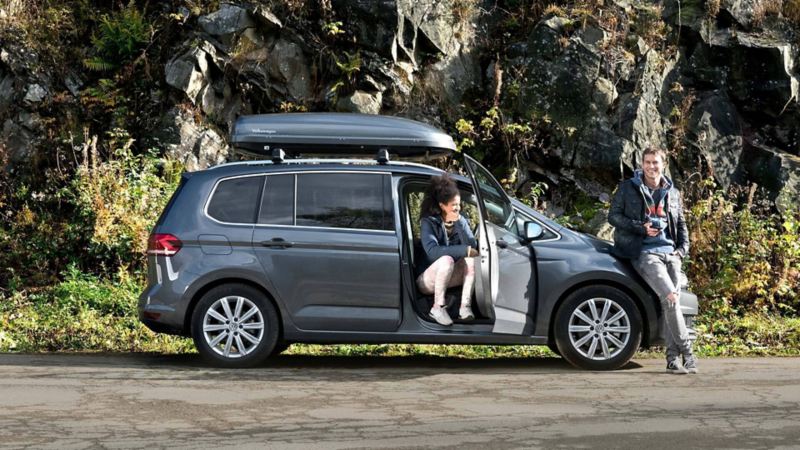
pixel 330 368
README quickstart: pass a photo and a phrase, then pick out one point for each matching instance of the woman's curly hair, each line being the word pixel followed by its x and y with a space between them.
pixel 442 189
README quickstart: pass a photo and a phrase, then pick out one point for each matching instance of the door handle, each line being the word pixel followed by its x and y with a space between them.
pixel 501 243
pixel 277 243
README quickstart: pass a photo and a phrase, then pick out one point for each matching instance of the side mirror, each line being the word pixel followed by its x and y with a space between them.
pixel 533 231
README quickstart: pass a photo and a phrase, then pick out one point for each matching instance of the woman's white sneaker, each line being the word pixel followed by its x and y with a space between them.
pixel 465 313
pixel 440 316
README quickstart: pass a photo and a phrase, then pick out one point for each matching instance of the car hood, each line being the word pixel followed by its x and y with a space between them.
pixel 601 245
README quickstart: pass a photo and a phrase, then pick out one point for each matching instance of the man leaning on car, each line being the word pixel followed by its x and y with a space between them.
pixel 651 231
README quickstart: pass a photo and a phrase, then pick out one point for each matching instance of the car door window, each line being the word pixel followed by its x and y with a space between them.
pixel 277 202
pixel 344 200
pixel 497 207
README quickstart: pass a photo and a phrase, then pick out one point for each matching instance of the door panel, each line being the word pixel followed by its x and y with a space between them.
pixel 332 279
pixel 506 266
pixel 515 286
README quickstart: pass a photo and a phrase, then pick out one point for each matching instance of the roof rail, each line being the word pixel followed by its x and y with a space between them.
pixel 353 161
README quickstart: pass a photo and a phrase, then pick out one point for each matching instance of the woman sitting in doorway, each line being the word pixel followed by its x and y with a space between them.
pixel 450 248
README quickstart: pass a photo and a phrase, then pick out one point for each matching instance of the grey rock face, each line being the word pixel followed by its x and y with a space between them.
pixel 777 171
pixel 195 145
pixel 6 91
pixel 640 123
pixel 229 19
pixel 288 65
pixel 716 132
pixel 361 102
pixel 189 72
pixel 19 136
pixel 409 31
pixel 741 10
pixel 35 94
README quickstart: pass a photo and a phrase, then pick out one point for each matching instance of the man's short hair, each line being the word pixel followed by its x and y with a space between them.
pixel 655 151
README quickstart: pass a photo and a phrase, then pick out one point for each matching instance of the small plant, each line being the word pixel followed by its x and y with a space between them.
pixel 347 70
pixel 118 39
pixel 712 8
pixel 333 28
pixel 555 10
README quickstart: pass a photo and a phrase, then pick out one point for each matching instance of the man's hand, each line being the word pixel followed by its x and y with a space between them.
pixel 650 230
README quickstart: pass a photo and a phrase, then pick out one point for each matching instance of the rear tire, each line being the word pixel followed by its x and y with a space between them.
pixel 280 347
pixel 598 328
pixel 235 325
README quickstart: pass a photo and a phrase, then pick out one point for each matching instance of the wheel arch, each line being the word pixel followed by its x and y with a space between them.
pixel 205 288
pixel 646 309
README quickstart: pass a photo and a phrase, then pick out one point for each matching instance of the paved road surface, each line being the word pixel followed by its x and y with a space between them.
pixel 300 402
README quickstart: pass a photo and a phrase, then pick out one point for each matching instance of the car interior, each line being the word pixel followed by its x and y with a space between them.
pixel 412 195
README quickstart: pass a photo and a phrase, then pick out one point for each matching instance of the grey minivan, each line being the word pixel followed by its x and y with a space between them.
pixel 249 257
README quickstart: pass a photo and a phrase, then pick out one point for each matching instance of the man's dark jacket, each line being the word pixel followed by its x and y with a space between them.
pixel 628 215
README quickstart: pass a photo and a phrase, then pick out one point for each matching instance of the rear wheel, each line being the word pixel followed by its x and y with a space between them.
pixel 598 328
pixel 234 325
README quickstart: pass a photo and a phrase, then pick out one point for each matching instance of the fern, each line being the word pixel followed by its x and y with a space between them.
pixel 98 64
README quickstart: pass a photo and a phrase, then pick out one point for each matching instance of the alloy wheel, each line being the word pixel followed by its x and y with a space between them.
pixel 599 329
pixel 233 326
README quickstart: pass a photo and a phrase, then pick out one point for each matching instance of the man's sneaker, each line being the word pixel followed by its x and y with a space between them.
pixel 440 316
pixel 465 313
pixel 674 366
pixel 690 364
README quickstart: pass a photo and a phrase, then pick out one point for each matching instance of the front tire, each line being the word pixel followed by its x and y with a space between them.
pixel 235 325
pixel 598 328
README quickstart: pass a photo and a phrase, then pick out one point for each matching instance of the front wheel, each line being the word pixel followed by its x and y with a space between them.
pixel 234 325
pixel 598 328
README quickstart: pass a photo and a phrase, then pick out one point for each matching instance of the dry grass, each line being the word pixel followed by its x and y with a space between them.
pixel 765 8
pixel 791 10
pixel 712 8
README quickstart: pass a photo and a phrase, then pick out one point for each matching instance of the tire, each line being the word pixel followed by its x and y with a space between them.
pixel 554 348
pixel 280 347
pixel 216 334
pixel 581 330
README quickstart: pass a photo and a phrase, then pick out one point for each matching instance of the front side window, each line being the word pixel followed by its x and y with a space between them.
pixel 344 200
pixel 235 200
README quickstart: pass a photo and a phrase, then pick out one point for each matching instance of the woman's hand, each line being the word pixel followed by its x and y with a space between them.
pixel 471 252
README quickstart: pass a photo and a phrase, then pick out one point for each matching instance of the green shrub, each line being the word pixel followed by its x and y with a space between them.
pixel 743 258
pixel 81 313
pixel 96 217
pixel 121 198
pixel 119 37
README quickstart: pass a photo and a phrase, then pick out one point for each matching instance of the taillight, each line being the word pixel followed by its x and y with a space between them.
pixel 163 244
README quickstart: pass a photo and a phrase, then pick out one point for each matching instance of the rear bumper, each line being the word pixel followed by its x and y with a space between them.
pixel 158 316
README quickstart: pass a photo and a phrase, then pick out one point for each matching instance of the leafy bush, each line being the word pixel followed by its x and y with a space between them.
pixel 119 37
pixel 121 198
pixel 744 258
pixel 81 313
pixel 96 217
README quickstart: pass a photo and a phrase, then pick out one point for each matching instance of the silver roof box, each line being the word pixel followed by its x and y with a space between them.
pixel 338 135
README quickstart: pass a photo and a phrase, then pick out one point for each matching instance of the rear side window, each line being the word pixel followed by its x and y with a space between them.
pixel 277 203
pixel 236 200
pixel 344 200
